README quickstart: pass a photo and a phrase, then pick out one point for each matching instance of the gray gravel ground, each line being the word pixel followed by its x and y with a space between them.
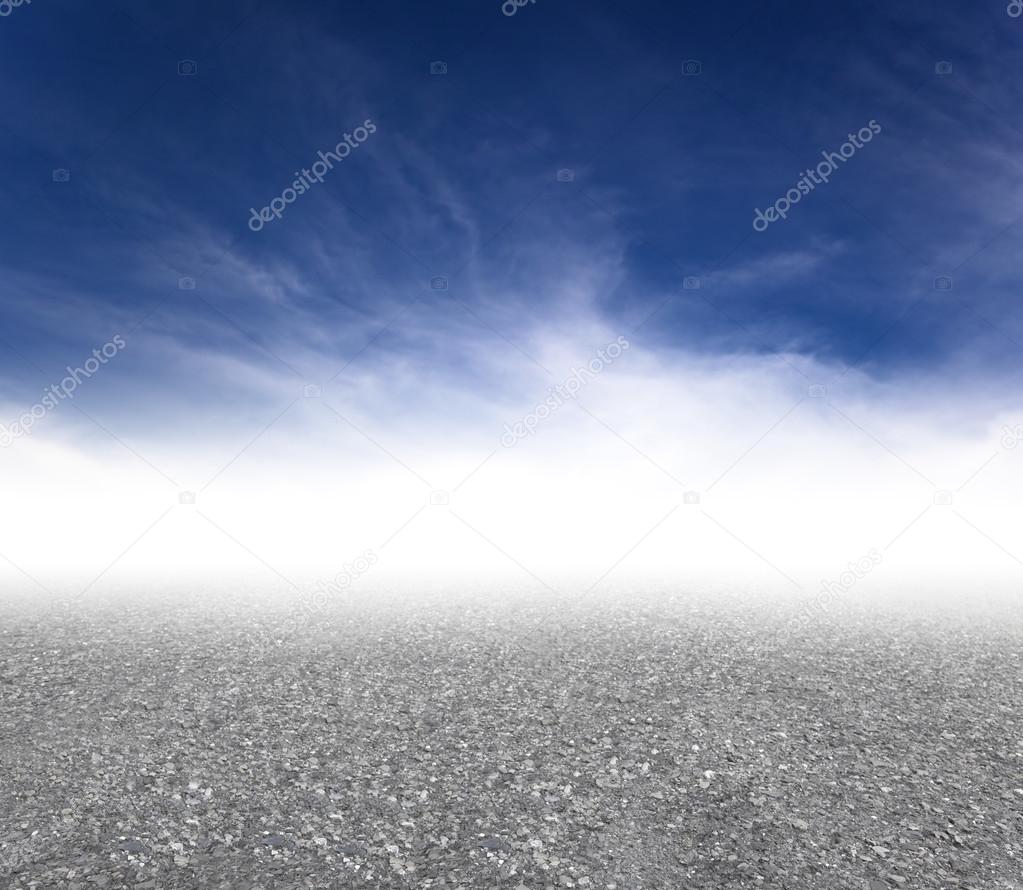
pixel 668 741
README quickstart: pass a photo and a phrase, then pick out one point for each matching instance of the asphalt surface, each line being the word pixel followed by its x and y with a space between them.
pixel 651 741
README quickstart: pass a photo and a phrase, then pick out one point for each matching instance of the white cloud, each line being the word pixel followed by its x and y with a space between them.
pixel 790 488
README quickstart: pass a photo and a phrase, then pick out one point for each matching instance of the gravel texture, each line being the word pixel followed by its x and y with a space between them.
pixel 668 741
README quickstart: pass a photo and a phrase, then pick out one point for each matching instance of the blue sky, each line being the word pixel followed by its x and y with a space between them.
pixel 459 179
pixel 668 161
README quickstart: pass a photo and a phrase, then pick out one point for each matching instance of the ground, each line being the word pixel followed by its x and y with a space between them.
pixel 665 740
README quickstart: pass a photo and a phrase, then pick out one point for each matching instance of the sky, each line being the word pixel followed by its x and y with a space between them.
pixel 339 278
